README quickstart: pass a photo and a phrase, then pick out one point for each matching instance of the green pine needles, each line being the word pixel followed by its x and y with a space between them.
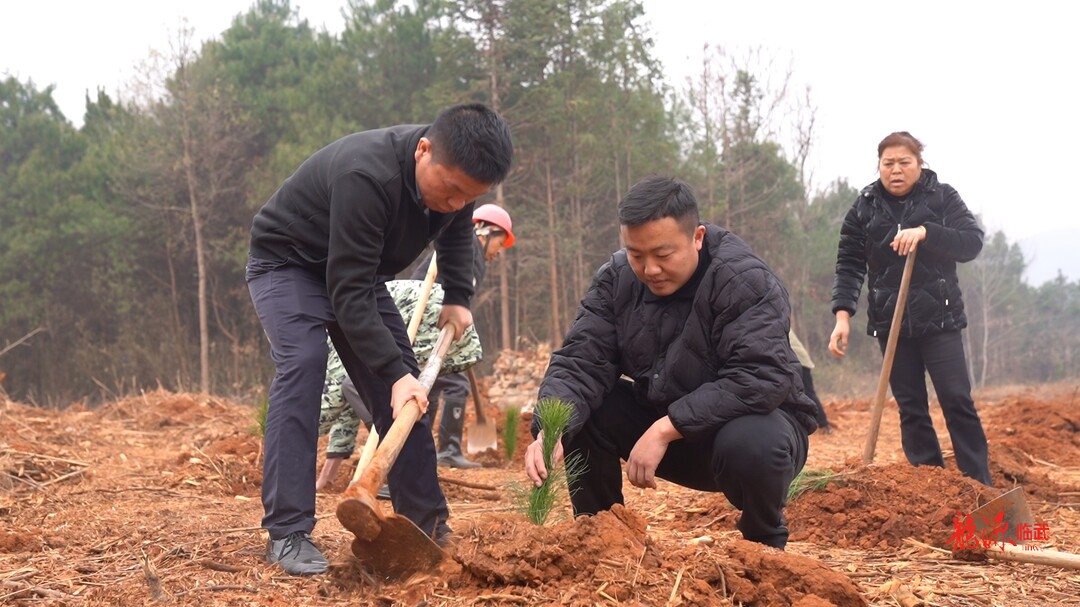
pixel 510 432
pixel 811 480
pixel 259 417
pixel 537 503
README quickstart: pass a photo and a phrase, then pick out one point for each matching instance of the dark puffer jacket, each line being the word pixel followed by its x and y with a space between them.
pixel 704 358
pixel 952 235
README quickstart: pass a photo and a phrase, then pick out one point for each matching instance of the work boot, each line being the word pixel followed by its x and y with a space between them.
pixel 296 554
pixel 451 425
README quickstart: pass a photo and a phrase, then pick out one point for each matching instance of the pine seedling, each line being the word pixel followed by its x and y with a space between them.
pixel 259 416
pixel 510 432
pixel 810 480
pixel 537 502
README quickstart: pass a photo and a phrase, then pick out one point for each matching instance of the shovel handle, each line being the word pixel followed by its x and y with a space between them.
pixel 374 475
pixel 474 385
pixel 887 362
pixel 425 291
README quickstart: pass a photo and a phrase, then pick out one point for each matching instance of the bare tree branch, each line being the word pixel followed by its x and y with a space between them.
pixel 20 341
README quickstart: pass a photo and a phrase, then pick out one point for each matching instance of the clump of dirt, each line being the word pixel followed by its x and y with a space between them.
pixel 879 506
pixel 1047 430
pixel 613 550
pixel 245 446
pixel 162 409
pixel 507 549
pixel 11 542
pixel 753 574
pixel 1009 467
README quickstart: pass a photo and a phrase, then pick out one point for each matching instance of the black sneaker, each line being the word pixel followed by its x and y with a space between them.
pixel 444 535
pixel 296 554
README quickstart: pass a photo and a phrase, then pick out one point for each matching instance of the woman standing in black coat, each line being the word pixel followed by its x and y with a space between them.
pixel 908 207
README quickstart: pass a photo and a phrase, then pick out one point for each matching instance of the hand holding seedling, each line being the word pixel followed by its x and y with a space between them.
pixel 648 451
pixel 535 467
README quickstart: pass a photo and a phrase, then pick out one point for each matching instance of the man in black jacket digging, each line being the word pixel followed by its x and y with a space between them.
pixel 714 399
pixel 354 214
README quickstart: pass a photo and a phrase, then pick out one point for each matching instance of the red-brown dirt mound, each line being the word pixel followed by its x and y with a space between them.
pixel 507 549
pixel 1031 435
pixel 879 506
pixel 612 550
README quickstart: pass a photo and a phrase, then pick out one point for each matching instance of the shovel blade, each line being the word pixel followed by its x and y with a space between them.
pixel 399 551
pixel 392 546
pixel 1000 518
pixel 482 437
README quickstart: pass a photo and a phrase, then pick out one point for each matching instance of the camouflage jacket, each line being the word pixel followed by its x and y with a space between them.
pixel 339 419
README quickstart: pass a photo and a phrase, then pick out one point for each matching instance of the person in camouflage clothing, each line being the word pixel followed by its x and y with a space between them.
pixel 492 229
pixel 343 409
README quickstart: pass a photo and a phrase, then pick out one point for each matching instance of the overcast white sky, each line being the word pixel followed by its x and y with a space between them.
pixel 991 88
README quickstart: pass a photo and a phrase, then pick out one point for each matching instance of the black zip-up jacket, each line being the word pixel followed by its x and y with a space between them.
pixel 352 213
pixel 934 300
pixel 715 350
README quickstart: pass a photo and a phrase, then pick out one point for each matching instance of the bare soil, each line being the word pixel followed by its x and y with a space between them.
pixel 155 499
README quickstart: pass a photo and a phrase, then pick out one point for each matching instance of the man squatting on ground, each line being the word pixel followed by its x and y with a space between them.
pixel 351 217
pixel 714 399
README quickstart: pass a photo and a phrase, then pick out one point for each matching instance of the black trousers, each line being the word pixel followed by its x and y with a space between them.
pixel 942 356
pixel 294 308
pixel 751 459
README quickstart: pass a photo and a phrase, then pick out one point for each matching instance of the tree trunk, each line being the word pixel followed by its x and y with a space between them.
pixel 578 281
pixel 504 273
pixel 553 257
pixel 200 247
pixel 177 326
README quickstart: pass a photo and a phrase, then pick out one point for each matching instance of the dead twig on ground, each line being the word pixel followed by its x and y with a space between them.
pixel 216 566
pixel 152 579
pixel 219 588
pixel 44 593
pixel 675 588
pixel 470 485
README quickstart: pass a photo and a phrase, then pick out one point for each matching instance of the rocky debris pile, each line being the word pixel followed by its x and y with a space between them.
pixel 517 377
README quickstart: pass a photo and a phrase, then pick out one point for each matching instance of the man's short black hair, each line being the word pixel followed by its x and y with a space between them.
pixel 657 197
pixel 474 138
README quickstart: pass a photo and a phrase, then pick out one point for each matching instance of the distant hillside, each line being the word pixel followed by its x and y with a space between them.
pixel 1048 252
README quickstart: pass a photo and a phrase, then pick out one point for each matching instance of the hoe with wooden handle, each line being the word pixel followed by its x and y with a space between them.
pixel 392 545
pixel 372 442
pixel 1000 520
pixel 886 363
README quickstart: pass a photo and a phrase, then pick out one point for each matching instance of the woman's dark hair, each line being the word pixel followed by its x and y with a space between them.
pixel 657 197
pixel 474 138
pixel 905 139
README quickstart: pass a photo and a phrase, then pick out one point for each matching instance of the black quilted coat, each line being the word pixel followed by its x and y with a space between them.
pixel 952 235
pixel 710 356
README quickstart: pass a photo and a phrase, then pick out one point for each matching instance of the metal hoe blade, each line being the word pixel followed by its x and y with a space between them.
pixel 1000 518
